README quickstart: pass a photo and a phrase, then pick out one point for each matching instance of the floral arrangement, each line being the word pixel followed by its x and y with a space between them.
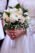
pixel 15 18
pixel 16 21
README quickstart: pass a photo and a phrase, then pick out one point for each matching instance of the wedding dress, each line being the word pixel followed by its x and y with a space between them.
pixel 24 44
pixel 1 31
pixel 19 45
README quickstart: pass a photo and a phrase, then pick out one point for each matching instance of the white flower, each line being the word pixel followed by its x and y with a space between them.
pixel 28 19
pixel 26 13
pixel 13 18
pixel 20 11
pixel 21 19
pixel 14 9
pixel 4 15
pixel 15 15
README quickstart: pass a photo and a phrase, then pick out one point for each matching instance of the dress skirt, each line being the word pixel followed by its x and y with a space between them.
pixel 24 44
pixel 19 45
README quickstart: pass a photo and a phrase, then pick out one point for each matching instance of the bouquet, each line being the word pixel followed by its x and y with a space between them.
pixel 15 18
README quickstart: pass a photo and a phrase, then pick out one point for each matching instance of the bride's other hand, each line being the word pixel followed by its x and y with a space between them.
pixel 20 32
pixel 16 33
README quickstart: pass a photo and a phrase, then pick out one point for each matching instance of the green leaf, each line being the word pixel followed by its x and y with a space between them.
pixel 17 6
pixel 16 25
pixel 8 13
pixel 24 10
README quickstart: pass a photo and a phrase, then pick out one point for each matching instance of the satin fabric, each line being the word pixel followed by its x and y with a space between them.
pixel 25 44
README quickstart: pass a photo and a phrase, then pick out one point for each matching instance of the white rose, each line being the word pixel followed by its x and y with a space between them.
pixel 20 11
pixel 14 9
pixel 21 19
pixel 26 13
pixel 13 18
pixel 28 19
pixel 4 15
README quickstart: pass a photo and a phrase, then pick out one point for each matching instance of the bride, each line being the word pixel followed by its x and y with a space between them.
pixel 19 44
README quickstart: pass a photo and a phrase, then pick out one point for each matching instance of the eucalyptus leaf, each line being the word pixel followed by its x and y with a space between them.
pixel 18 6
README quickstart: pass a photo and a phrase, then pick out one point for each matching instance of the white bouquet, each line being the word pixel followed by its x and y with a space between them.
pixel 15 18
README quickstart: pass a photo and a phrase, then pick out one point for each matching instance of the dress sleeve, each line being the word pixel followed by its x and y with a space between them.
pixel 1 31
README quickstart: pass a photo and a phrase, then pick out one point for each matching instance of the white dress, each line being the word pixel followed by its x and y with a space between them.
pixel 24 44
pixel 1 31
pixel 19 46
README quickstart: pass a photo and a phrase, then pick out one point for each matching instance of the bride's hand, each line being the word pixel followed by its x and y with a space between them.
pixel 19 32
pixel 15 33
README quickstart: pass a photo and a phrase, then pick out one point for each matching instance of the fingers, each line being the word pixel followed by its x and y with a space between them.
pixel 15 33
pixel 11 33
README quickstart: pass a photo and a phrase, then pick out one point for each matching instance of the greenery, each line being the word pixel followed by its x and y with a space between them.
pixel 17 24
pixel 18 6
pixel 8 13
pixel 24 11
